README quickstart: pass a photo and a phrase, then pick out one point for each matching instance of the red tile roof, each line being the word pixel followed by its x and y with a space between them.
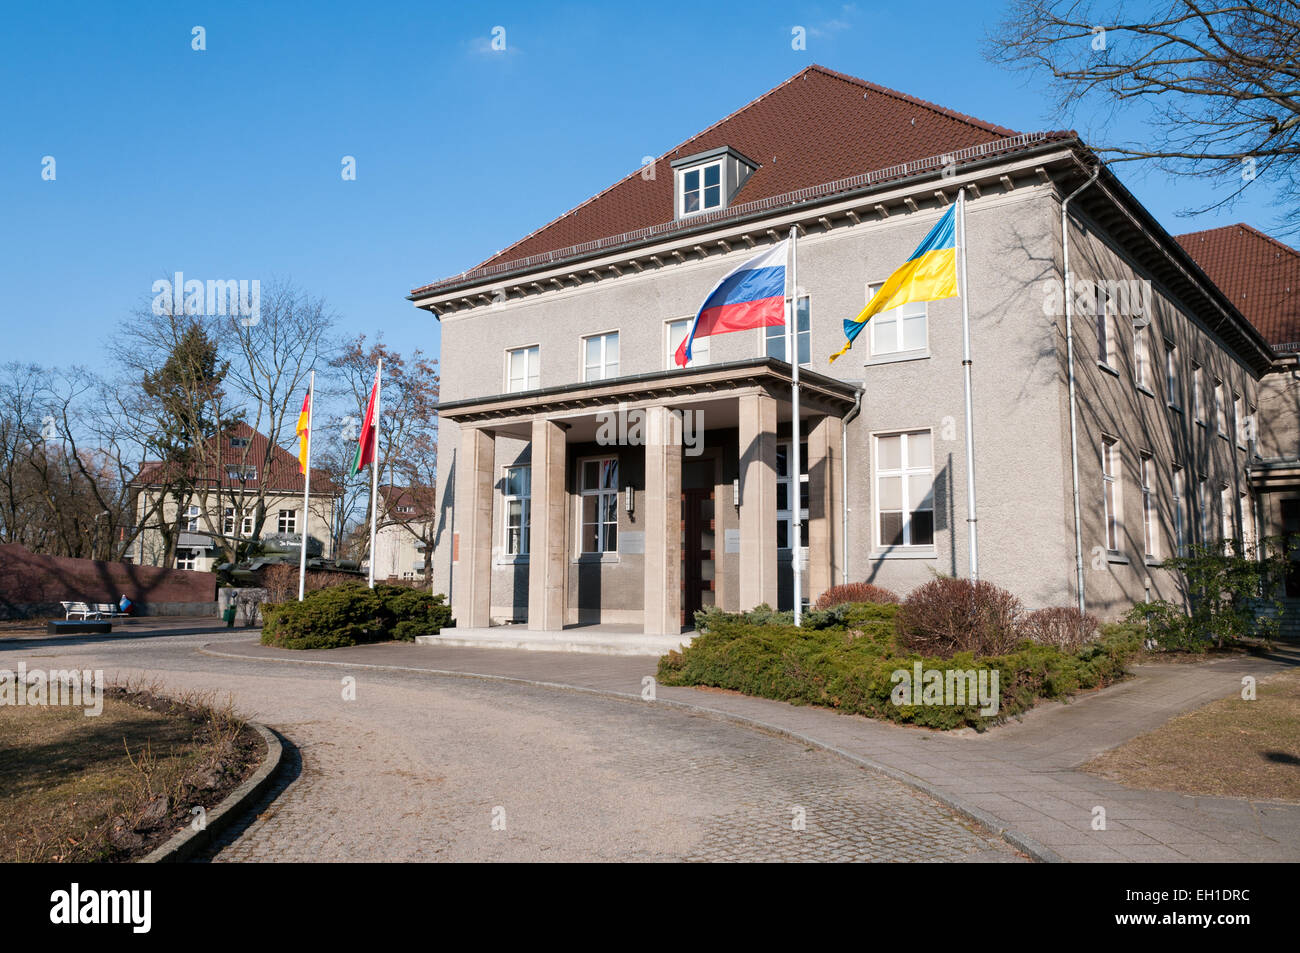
pixel 281 476
pixel 817 127
pixel 1259 274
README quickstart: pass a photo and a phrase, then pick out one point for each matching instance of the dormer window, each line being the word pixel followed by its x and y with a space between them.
pixel 708 181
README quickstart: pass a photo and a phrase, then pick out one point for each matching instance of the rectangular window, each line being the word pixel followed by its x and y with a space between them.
pixel 599 510
pixel 784 514
pixel 1220 409
pixel 1227 500
pixel 1239 420
pixel 287 521
pixel 1198 394
pixel 1180 512
pixel 1140 357
pixel 192 519
pixel 186 558
pixel 241 472
pixel 1110 464
pixel 600 356
pixel 1150 518
pixel 904 490
pixel 1173 379
pixel 701 188
pixel 228 523
pixel 1203 505
pixel 1247 522
pixel 518 504
pixel 776 335
pixel 899 330
pixel 677 331
pixel 522 364
pixel 1106 332
pixel 237 442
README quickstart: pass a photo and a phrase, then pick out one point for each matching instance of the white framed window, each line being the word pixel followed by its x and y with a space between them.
pixel 1220 410
pixel 522 369
pixel 1106 332
pixel 241 472
pixel 1180 512
pixel 1203 505
pixel 775 335
pixel 238 442
pixel 1228 522
pixel 228 523
pixel 1110 491
pixel 598 510
pixel 675 333
pixel 1239 420
pixel 1173 377
pixel 1140 358
pixel 600 356
pixel 904 490
pixel 192 519
pixel 286 521
pixel 1198 394
pixel 1247 521
pixel 785 495
pixel 1150 517
pixel 700 188
pixel 187 558
pixel 517 490
pixel 899 330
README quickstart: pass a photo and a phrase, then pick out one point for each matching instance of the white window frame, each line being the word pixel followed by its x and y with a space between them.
pixel 228 523
pixel 1173 377
pixel 784 515
pixel 241 472
pixel 699 349
pixel 1107 349
pixel 1150 514
pixel 1238 420
pixel 525 501
pixel 1220 410
pixel 1247 512
pixel 1141 357
pixel 1112 468
pixel 904 472
pixel 187 561
pixel 602 531
pixel 281 522
pixel 1198 394
pixel 1203 505
pixel 776 332
pixel 604 364
pixel 682 192
pixel 531 378
pixel 885 348
pixel 192 514
pixel 1227 519
pixel 1180 511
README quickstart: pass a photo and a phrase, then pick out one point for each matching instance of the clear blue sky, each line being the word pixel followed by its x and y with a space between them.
pixel 226 163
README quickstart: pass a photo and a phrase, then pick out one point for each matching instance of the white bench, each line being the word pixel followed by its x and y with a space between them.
pixel 108 609
pixel 83 609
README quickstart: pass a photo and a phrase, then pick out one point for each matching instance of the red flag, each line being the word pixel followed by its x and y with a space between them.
pixel 369 431
pixel 304 427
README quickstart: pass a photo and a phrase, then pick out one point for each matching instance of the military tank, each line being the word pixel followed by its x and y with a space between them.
pixel 276 549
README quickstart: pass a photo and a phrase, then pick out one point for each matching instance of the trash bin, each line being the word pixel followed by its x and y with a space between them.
pixel 229 616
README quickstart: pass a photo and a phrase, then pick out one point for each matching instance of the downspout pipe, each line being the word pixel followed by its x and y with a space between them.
pixel 1069 350
pixel 844 484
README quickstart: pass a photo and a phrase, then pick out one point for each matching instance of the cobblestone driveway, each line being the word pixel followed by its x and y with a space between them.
pixel 424 768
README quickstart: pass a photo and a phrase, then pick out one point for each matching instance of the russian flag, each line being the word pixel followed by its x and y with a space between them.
pixel 750 296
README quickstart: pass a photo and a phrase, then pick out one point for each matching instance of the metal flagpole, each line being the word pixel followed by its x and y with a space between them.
pixel 374 469
pixel 796 484
pixel 971 518
pixel 306 488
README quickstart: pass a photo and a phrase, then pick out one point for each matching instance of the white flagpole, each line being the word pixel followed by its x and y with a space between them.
pixel 971 518
pixel 796 483
pixel 306 488
pixel 374 470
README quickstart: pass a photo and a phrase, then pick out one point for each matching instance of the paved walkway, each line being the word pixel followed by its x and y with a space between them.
pixel 1020 778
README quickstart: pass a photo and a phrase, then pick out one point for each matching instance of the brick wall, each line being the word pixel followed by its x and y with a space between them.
pixel 31 583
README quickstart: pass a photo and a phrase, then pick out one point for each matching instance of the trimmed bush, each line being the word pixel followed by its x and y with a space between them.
pixel 852 669
pixel 855 592
pixel 353 614
pixel 946 616
pixel 1062 626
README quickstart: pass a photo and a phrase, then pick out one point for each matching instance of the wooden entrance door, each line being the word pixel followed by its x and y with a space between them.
pixel 699 546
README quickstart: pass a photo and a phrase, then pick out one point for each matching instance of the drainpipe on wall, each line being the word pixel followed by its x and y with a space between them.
pixel 1069 350
pixel 844 484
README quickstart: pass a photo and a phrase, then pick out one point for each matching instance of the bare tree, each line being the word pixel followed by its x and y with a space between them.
pixel 1219 82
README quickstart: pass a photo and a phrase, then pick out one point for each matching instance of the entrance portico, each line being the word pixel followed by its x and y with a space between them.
pixel 650 497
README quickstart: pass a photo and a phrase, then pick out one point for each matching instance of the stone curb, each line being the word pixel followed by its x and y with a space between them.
pixel 1019 841
pixel 187 842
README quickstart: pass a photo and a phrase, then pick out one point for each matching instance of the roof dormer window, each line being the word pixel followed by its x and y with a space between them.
pixel 708 181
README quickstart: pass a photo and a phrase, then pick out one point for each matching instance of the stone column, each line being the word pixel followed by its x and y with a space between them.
pixel 548 560
pixel 757 500
pixel 824 505
pixel 472 604
pixel 661 510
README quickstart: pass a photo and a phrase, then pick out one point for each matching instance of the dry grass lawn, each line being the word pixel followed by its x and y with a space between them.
pixel 1229 748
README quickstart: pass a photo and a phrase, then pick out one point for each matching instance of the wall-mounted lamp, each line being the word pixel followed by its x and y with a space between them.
pixel 735 493
pixel 629 501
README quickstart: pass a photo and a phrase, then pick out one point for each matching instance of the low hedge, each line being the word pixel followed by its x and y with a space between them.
pixel 849 667
pixel 353 614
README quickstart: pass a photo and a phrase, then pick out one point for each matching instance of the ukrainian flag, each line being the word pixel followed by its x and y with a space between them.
pixel 930 274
